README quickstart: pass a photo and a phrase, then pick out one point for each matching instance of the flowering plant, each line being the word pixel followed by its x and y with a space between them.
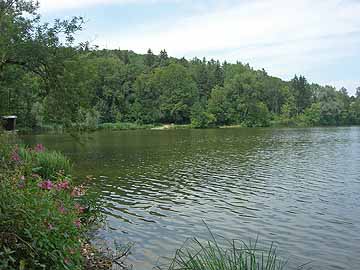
pixel 44 217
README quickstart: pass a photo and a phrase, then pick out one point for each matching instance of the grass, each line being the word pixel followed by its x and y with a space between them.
pixel 44 163
pixel 46 220
pixel 42 221
pixel 124 126
pixel 227 255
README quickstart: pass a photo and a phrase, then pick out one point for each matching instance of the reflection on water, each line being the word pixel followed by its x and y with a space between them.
pixel 297 187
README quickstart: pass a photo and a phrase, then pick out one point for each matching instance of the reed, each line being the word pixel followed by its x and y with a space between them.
pixel 226 254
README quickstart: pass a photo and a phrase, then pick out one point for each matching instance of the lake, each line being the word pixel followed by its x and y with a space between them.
pixel 299 188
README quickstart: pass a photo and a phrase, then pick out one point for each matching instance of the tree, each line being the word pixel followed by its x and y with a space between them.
pixel 201 76
pixel 273 94
pixel 312 115
pixel 163 58
pixel 354 112
pixel 218 74
pixel 330 107
pixel 178 93
pixel 200 118
pixel 150 58
pixel 302 93
pixel 46 78
pixel 288 109
pixel 243 94
pixel 146 108
pixel 258 115
pixel 45 51
pixel 219 106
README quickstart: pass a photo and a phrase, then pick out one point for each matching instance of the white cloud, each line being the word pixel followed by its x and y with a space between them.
pixel 56 5
pixel 350 85
pixel 285 37
pixel 249 24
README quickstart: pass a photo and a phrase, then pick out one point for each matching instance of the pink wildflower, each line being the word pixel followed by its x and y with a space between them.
pixel 78 191
pixel 39 148
pixel 66 261
pixel 15 156
pixel 77 223
pixel 49 225
pixel 63 185
pixel 62 209
pixel 46 185
pixel 79 208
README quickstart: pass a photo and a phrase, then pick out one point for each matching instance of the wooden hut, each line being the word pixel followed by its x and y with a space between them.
pixel 9 122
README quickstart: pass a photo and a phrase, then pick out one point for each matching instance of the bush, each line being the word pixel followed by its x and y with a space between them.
pixel 258 116
pixel 38 160
pixel 124 126
pixel 43 222
pixel 40 226
pixel 5 149
pixel 200 118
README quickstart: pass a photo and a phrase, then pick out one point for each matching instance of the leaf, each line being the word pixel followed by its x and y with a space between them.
pixel 22 265
pixel 37 169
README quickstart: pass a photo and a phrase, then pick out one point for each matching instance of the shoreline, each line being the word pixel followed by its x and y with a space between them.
pixel 155 127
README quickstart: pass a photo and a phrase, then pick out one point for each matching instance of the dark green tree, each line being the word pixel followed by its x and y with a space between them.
pixel 163 58
pixel 150 58
pixel 302 93
pixel 178 93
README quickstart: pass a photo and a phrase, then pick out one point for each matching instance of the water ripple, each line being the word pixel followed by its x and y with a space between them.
pixel 297 187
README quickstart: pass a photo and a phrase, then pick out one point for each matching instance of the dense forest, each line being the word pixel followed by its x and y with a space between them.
pixel 46 78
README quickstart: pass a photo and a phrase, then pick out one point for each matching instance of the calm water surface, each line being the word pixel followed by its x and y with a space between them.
pixel 297 187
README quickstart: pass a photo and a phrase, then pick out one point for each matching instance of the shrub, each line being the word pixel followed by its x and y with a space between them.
pixel 5 150
pixel 200 118
pixel 40 227
pixel 43 222
pixel 44 163
pixel 203 120
pixel 125 126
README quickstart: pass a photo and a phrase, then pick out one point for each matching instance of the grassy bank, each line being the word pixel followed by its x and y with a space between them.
pixel 121 126
pixel 78 128
pixel 124 126
pixel 45 218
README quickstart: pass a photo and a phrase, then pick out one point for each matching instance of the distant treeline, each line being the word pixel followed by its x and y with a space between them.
pixel 47 79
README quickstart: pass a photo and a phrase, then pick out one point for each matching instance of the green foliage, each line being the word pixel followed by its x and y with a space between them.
pixel 44 163
pixel 49 81
pixel 225 255
pixel 42 222
pixel 312 115
pixel 354 112
pixel 32 227
pixel 219 106
pixel 6 142
pixel 258 116
pixel 146 108
pixel 124 126
pixel 200 118
pixel 178 93
pixel 302 93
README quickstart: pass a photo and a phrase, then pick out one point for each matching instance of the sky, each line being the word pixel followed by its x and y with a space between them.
pixel 319 39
